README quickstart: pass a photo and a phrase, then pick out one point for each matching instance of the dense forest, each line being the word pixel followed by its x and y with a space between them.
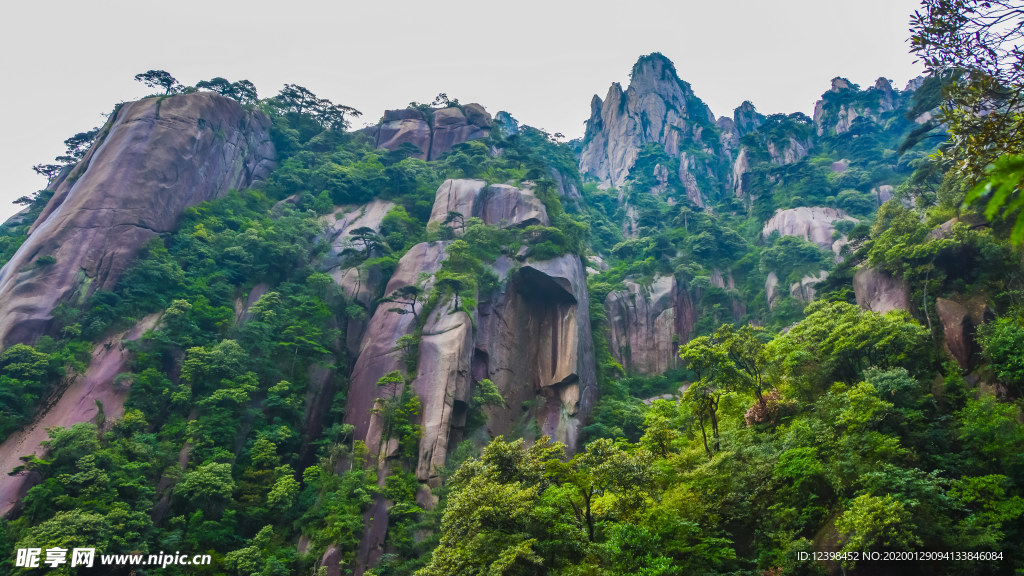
pixel 453 344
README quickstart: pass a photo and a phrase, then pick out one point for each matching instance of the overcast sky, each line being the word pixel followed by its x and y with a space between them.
pixel 65 64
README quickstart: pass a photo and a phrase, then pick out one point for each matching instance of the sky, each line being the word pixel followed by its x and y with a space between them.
pixel 65 64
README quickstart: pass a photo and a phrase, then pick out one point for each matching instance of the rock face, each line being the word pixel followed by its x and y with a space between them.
pixel 657 107
pixel 444 129
pixel 959 327
pixel 497 204
pixel 534 342
pixel 771 289
pixel 806 288
pixel 814 224
pixel 877 291
pixel 78 403
pixel 359 283
pixel 377 352
pixel 155 158
pixel 648 324
pixel 442 383
pixel 531 338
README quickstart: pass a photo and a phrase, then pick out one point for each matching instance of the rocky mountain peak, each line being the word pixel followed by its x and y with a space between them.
pixel 839 84
pixel 656 107
pixel 747 118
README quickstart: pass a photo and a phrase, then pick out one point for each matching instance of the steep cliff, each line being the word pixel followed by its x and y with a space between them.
pixel 155 158
pixel 647 324
pixel 531 337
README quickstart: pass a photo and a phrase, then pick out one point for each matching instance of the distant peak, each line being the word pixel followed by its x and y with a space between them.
pixel 883 84
pixel 654 64
pixel 839 84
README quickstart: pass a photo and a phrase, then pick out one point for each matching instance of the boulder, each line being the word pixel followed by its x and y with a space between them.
pixel 154 158
pixel 456 196
pixel 497 204
pixel 404 127
pixel 451 127
pixel 814 224
pixel 477 116
pixel 878 291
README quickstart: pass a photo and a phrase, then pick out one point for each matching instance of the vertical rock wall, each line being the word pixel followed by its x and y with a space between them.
pixel 154 158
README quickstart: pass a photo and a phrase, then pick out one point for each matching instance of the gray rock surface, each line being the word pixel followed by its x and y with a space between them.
pixel 448 127
pixel 496 204
pixel 814 224
pixel 644 331
pixel 78 403
pixel 156 157
pixel 657 107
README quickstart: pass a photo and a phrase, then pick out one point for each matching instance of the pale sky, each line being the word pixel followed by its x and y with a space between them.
pixel 65 64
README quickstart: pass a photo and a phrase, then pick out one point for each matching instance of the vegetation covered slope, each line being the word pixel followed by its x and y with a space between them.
pixel 786 428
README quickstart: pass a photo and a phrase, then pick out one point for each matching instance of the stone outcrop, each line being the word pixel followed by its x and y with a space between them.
pixel 771 289
pixel 657 107
pixel 154 158
pixel 960 321
pixel 531 338
pixel 647 324
pixel 358 282
pixel 433 133
pixel 878 291
pixel 814 224
pixel 746 118
pixel 496 204
pixel 79 402
pixel 377 352
pixel 958 331
pixel 442 384
pixel 806 288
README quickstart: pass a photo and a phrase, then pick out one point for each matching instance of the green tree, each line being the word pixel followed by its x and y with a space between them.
pixel 159 79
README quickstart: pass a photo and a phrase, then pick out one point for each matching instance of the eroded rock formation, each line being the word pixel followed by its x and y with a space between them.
pixel 435 132
pixel 814 224
pixel 360 283
pixel 657 107
pixel 154 158
pixel 647 324
pixel 496 205
pixel 82 401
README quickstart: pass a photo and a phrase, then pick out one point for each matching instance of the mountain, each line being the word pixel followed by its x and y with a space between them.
pixel 449 343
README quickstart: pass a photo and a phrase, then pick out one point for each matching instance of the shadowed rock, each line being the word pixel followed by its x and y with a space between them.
pixel 878 291
pixel 644 333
